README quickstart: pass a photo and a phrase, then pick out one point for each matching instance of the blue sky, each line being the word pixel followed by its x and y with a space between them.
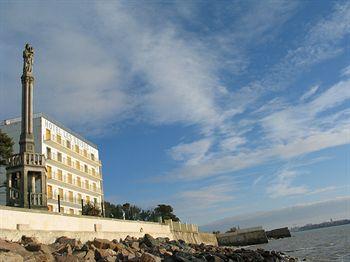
pixel 217 108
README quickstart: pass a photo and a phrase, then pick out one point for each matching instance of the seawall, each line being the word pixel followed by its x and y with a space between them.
pixel 243 237
pixel 278 233
pixel 47 226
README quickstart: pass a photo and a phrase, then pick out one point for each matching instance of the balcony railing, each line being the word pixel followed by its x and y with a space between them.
pixel 33 159
pixel 37 199
pixel 72 164
pixel 71 149
pixel 14 193
pixel 75 182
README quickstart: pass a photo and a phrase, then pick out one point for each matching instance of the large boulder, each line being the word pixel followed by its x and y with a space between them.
pixel 102 243
pixel 26 240
pixel 150 241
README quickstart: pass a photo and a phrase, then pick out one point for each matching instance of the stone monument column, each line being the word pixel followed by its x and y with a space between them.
pixel 27 166
pixel 27 138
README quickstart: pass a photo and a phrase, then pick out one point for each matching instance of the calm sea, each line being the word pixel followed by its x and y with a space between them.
pixel 324 244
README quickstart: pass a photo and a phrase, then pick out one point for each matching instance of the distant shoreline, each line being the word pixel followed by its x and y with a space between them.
pixel 321 225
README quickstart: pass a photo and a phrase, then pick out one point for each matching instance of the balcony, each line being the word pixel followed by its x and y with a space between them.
pixel 37 199
pixel 71 150
pixel 75 184
pixel 33 159
pixel 72 165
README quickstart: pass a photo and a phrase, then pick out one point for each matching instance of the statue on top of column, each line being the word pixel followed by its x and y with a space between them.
pixel 28 57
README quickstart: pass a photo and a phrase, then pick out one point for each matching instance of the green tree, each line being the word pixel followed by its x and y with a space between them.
pixel 166 212
pixel 91 210
pixel 6 147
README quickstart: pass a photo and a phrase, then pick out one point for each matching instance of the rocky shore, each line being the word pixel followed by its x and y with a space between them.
pixel 146 249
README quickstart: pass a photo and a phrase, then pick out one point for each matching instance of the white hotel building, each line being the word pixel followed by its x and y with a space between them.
pixel 73 167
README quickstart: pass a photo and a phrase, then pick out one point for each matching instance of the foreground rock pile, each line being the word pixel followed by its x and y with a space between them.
pixel 146 249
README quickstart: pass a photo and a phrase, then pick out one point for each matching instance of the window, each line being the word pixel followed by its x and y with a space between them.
pixel 48 153
pixel 77 165
pixel 62 209
pixel 68 145
pixel 79 198
pixel 60 193
pixel 95 200
pixel 87 199
pixel 59 139
pixel 93 171
pixel 47 134
pixel 94 186
pixel 85 153
pixel 59 157
pixel 69 161
pixel 70 179
pixel 86 169
pixel 92 156
pixel 49 192
pixel 49 171
pixel 87 184
pixel 78 182
pixel 59 175
pixel 71 211
pixel 50 208
pixel 70 196
pixel 77 149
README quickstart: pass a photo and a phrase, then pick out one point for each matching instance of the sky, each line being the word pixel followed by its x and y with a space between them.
pixel 222 109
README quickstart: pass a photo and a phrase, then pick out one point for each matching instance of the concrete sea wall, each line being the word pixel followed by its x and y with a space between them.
pixel 47 226
pixel 278 233
pixel 243 237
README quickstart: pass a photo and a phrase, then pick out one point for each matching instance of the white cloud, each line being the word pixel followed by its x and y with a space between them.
pixel 232 143
pixel 283 187
pixel 309 93
pixel 192 153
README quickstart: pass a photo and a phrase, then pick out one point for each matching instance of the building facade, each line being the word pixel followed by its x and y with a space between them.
pixel 73 168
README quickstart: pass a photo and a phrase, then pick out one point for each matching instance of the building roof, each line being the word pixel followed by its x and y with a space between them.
pixel 38 115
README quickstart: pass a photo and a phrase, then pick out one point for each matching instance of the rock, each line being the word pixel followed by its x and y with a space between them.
pixel 90 256
pixel 33 247
pixel 135 245
pixel 75 244
pixel 64 249
pixel 147 257
pixel 26 240
pixel 67 258
pixel 10 257
pixel 102 243
pixel 104 254
pixel 150 241
pixel 16 248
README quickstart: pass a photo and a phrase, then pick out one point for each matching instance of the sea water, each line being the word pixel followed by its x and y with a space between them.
pixel 323 244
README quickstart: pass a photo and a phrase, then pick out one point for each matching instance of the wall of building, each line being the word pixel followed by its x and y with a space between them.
pixel 64 175
pixel 47 226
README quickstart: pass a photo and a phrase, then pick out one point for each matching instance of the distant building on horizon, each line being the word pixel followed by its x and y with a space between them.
pixel 73 168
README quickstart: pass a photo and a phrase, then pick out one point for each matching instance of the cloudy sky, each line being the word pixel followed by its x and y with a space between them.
pixel 219 108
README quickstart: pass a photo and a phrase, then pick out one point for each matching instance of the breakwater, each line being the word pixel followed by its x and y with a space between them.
pixel 243 237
